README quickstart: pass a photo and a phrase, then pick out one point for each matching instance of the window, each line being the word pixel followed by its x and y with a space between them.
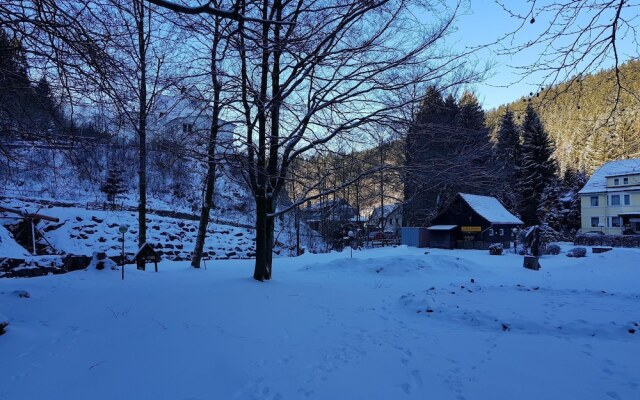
pixel 627 200
pixel 615 200
pixel 625 181
pixel 616 181
pixel 501 232
pixel 595 221
pixel 594 201
pixel 187 128
pixel 490 232
pixel 615 222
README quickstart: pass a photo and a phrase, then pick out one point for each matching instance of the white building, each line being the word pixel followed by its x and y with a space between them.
pixel 184 119
pixel 390 219
pixel 610 201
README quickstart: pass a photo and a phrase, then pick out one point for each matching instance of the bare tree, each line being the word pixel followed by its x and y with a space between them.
pixel 216 58
pixel 315 71
pixel 574 38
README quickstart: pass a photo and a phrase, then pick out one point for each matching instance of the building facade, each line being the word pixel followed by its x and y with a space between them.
pixel 610 201
pixel 392 215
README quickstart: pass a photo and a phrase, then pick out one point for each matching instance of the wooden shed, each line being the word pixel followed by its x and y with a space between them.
pixel 473 222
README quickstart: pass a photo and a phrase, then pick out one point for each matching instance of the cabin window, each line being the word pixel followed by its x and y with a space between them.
pixel 616 181
pixel 625 181
pixel 490 232
pixel 595 221
pixel 615 200
pixel 187 128
pixel 501 232
pixel 594 201
pixel 615 222
pixel 627 200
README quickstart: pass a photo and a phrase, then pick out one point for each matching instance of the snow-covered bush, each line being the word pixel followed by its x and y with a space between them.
pixel 577 252
pixel 495 249
pixel 553 249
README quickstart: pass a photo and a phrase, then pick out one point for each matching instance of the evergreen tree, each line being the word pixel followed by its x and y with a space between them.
pixel 15 90
pixel 451 109
pixel 507 148
pixel 114 184
pixel 538 165
pixel 470 114
pixel 422 144
pixel 507 159
pixel 447 152
pixel 551 209
pixel 573 181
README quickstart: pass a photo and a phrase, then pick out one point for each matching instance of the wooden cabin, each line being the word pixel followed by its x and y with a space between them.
pixel 473 222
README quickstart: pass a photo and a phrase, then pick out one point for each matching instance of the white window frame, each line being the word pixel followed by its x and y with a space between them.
pixel 491 232
pixel 625 181
pixel 611 200
pixel 597 201
pixel 616 181
pixel 597 222
pixel 619 222
pixel 626 199
pixel 501 232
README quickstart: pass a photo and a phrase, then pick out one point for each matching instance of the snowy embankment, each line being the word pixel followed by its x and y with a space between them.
pixel 387 324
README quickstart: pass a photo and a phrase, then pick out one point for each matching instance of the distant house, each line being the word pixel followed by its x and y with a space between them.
pixel 328 213
pixel 610 201
pixel 184 119
pixel 472 221
pixel 390 219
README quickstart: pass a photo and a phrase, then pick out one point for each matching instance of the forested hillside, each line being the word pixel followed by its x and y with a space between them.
pixel 587 120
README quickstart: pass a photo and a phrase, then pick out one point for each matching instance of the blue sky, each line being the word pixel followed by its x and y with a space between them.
pixel 483 21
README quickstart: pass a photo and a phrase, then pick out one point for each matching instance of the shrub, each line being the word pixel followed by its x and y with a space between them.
pixel 553 249
pixel 495 249
pixel 577 252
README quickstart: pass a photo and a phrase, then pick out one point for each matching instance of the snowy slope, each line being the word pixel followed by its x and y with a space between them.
pixel 387 324
pixel 82 232
pixel 9 247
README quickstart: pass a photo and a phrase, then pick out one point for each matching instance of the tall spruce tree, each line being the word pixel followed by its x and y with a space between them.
pixel 15 90
pixel 470 114
pixel 539 168
pixel 421 147
pixel 447 152
pixel 507 160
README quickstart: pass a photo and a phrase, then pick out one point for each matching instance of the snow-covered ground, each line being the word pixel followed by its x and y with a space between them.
pixel 387 324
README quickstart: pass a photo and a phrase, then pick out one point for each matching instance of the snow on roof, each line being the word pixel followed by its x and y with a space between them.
pixel 441 227
pixel 490 209
pixel 388 209
pixel 598 181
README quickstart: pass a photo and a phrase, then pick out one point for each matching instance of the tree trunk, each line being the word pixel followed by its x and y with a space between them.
pixel 207 201
pixel 264 240
pixel 142 128
pixel 204 214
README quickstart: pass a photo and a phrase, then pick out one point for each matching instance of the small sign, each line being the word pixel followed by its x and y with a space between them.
pixel 471 228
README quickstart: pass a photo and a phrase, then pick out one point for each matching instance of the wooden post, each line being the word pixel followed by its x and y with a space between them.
pixel 122 255
pixel 33 237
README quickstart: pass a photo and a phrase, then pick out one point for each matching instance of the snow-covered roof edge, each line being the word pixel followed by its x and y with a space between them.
pixel 598 181
pixel 490 209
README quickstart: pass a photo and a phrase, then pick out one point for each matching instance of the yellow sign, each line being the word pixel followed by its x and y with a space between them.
pixel 471 228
